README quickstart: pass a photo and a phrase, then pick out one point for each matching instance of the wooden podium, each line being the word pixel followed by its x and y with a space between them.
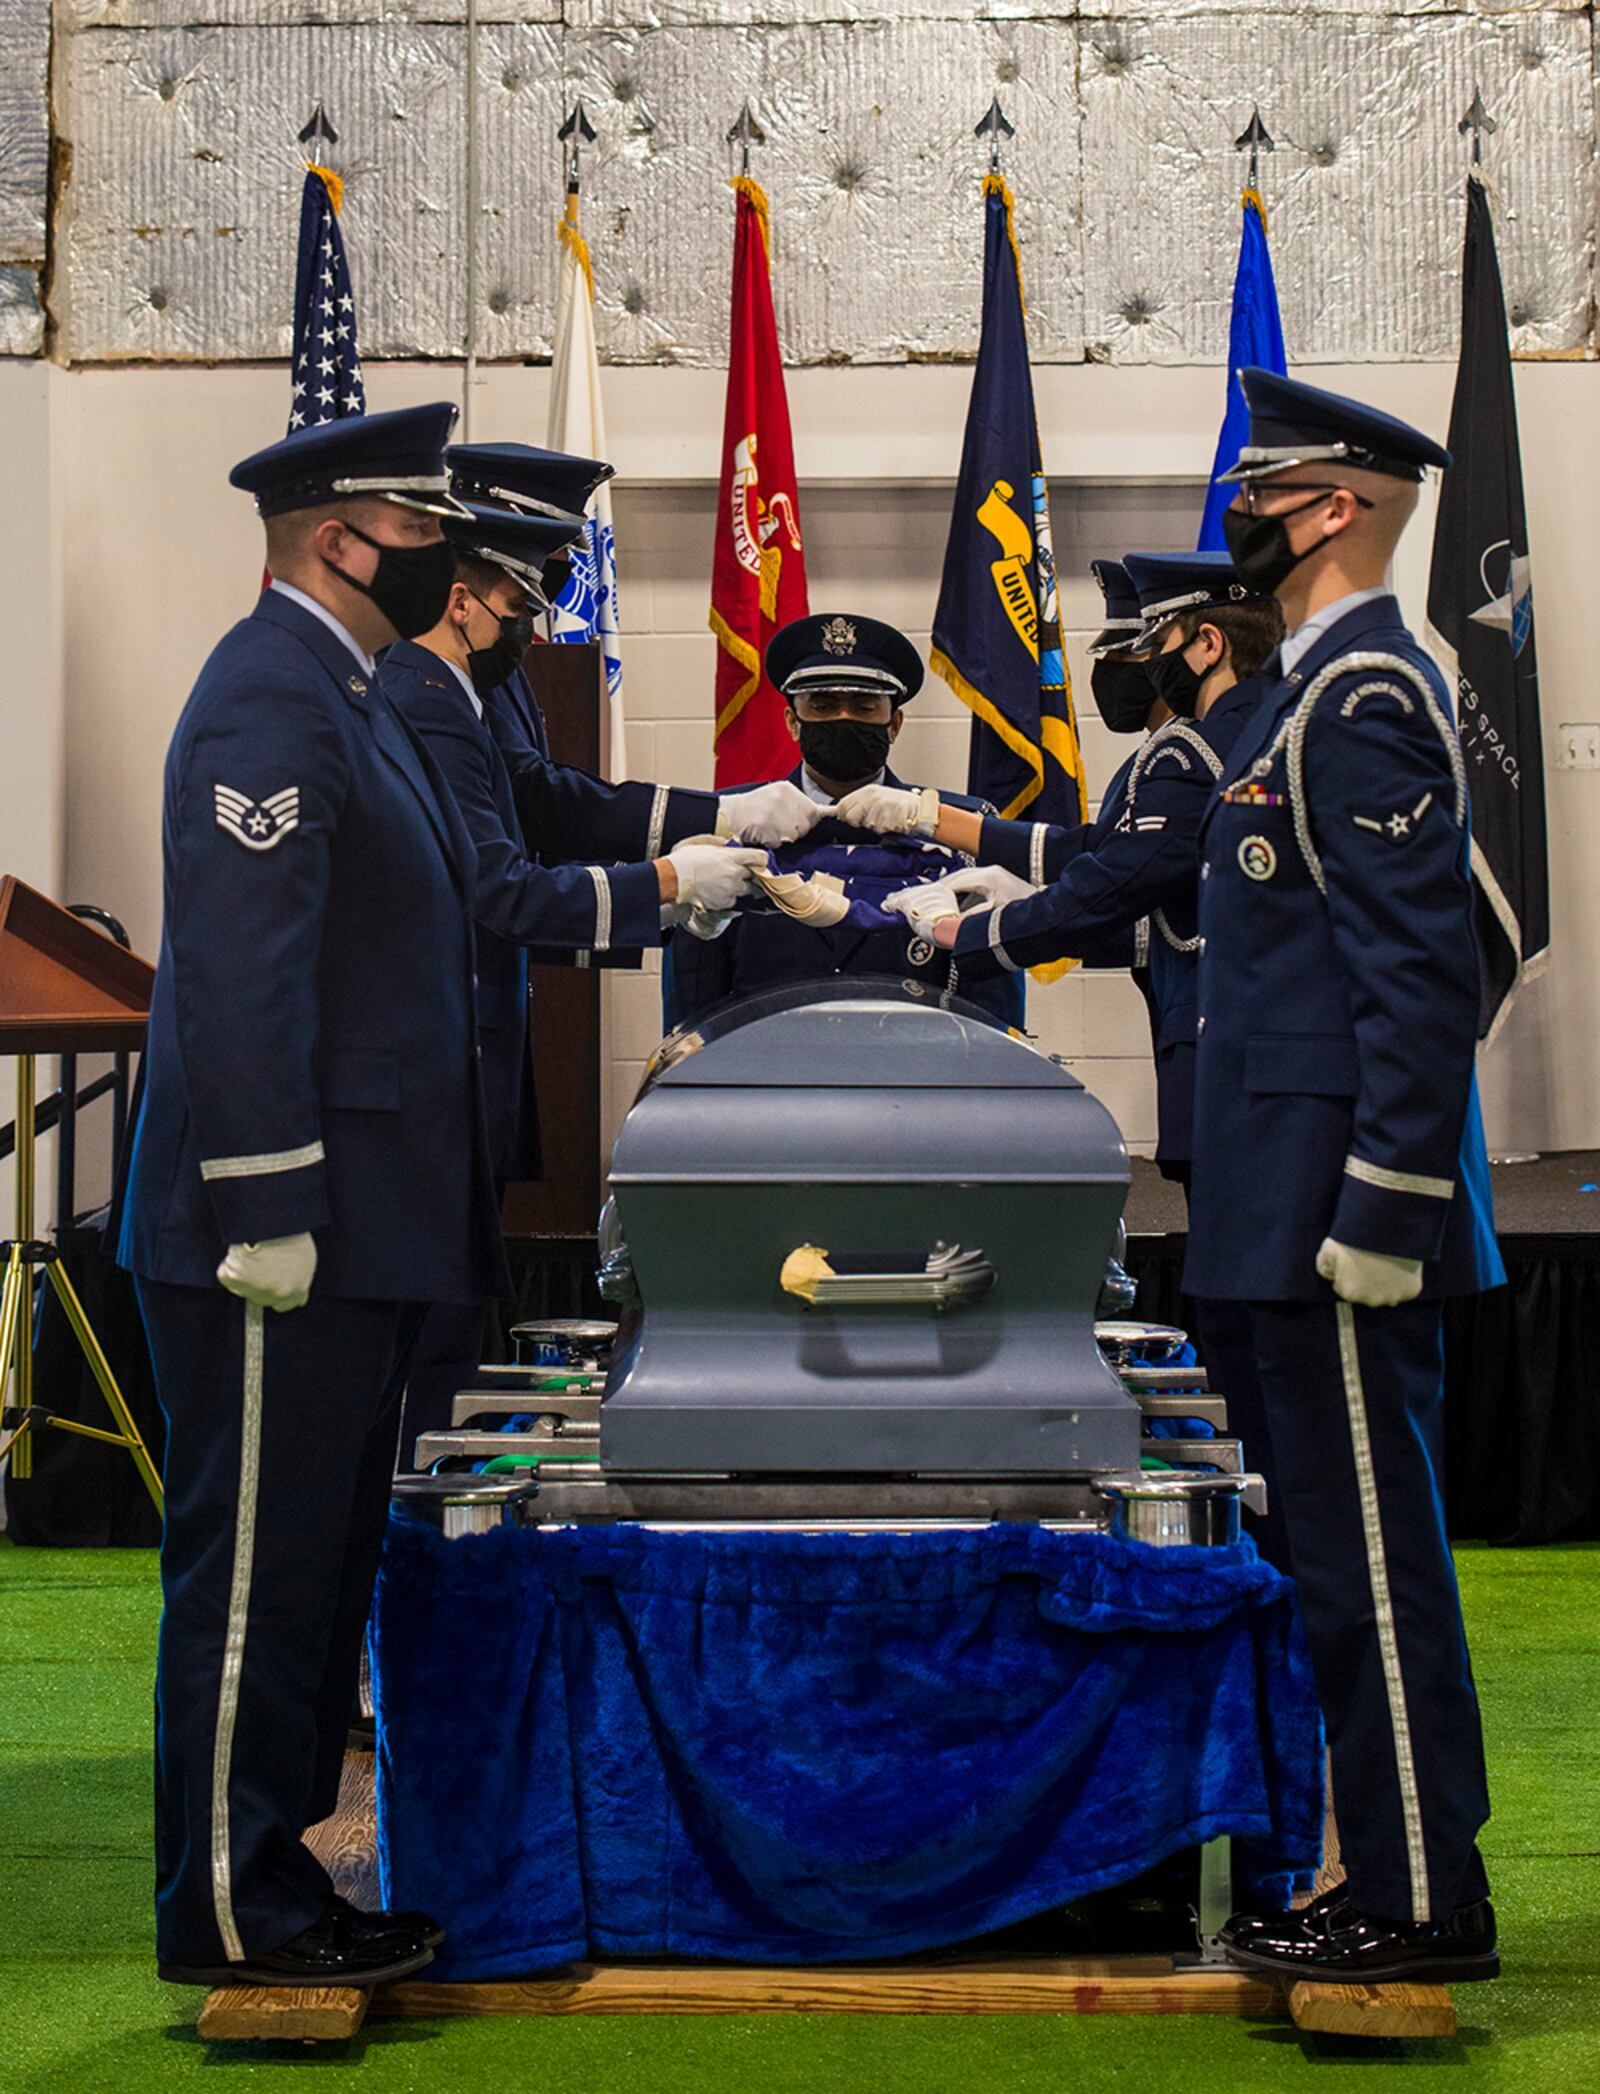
pixel 64 989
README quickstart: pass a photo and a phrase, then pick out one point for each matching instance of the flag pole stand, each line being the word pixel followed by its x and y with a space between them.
pixel 64 989
pixel 24 1256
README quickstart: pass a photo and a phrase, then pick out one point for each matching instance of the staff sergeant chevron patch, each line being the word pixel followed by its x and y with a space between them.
pixel 258 824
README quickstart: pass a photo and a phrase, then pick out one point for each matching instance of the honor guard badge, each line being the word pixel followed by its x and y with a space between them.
pixel 258 824
pixel 839 636
pixel 1257 859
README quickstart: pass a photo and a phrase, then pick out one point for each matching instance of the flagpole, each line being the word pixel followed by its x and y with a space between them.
pixel 575 133
pixel 470 378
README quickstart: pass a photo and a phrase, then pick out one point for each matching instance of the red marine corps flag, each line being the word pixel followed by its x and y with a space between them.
pixel 758 574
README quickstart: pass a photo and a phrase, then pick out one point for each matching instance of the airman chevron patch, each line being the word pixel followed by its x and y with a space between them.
pixel 258 824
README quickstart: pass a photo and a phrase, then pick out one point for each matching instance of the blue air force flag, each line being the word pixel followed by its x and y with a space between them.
pixel 1255 339
pixel 327 365
pixel 587 607
pixel 997 629
pixel 1480 617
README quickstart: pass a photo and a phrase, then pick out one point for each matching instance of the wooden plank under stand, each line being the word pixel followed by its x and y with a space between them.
pixel 970 1983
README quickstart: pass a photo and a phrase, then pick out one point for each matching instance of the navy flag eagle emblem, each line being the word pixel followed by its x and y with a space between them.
pixel 258 824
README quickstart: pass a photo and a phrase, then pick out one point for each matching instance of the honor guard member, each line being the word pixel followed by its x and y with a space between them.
pixel 1201 639
pixel 1341 1189
pixel 845 682
pixel 309 1163
pixel 567 814
pixel 1013 858
pixel 439 684
pixel 1035 852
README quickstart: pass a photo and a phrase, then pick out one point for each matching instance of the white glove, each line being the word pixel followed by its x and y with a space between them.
pixel 934 900
pixel 769 815
pixel 712 876
pixel 1368 1278
pixel 699 923
pixel 891 810
pixel 276 1274
pixel 924 906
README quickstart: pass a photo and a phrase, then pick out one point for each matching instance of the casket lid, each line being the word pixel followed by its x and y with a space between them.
pixel 863 1034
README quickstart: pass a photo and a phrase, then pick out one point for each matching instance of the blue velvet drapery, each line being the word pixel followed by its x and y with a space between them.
pixel 792 1748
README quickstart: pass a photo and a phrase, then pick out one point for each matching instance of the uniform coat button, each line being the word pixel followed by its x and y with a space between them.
pixel 1205 870
pixel 1201 1026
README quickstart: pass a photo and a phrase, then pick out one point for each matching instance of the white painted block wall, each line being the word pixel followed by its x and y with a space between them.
pixel 126 555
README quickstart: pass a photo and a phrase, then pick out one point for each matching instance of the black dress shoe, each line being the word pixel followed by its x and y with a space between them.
pixel 377 1926
pixel 1246 1927
pixel 1338 1944
pixel 333 1950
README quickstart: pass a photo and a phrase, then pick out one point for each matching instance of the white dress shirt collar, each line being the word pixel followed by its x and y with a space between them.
pixel 466 684
pixel 1304 637
pixel 317 610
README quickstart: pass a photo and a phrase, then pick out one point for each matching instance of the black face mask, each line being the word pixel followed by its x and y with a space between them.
pixel 490 666
pixel 1174 682
pixel 1262 554
pixel 411 586
pixel 846 752
pixel 1124 694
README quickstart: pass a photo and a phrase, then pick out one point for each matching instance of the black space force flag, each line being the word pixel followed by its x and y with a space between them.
pixel 1480 611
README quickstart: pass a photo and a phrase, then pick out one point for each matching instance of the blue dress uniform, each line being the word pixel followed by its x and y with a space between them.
pixel 1122 886
pixel 1335 1098
pixel 859 663
pixel 1135 874
pixel 518 903
pixel 311 1067
pixel 1126 885
pixel 567 813
pixel 759 950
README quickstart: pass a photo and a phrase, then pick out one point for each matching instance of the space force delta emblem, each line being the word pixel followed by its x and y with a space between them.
pixel 258 824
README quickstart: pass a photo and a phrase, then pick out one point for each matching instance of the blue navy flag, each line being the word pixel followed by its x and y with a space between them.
pixel 1255 337
pixel 1480 618
pixel 327 366
pixel 997 629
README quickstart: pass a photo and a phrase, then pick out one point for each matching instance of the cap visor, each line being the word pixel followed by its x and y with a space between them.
pixel 425 504
pixel 1110 638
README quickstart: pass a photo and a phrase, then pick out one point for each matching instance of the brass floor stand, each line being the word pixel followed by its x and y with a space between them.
pixel 24 1254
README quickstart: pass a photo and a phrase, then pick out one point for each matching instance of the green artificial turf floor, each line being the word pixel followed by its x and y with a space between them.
pixel 81 2009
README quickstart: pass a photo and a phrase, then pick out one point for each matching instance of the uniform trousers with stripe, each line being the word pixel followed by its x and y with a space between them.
pixel 1226 1345
pixel 1223 1337
pixel 1354 1403
pixel 281 1433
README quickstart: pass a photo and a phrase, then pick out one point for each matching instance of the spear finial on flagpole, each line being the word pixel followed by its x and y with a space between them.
pixel 580 131
pixel 318 127
pixel 995 126
pixel 746 132
pixel 1255 139
pixel 1477 120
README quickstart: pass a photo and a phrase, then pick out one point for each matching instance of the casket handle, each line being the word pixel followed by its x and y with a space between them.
pixel 951 1278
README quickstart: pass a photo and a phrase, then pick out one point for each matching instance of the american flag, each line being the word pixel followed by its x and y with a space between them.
pixel 327 364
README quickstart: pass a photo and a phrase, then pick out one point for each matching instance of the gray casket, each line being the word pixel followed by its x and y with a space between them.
pixel 965 1191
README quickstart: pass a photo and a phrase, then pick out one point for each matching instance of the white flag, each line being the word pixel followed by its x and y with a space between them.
pixel 587 607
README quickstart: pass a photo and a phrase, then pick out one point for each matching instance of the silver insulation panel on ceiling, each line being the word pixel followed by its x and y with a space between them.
pixel 174 214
